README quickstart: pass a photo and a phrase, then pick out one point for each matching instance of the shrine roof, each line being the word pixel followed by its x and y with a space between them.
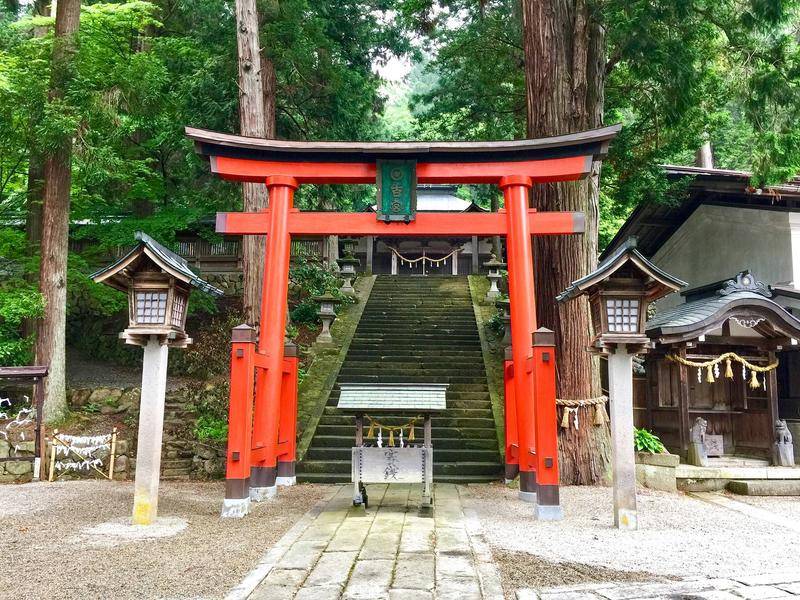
pixel 707 309
pixel 662 281
pixel 115 276
pixel 376 397
pixel 593 142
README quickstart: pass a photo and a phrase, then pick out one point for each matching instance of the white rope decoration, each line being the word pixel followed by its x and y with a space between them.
pixel 410 261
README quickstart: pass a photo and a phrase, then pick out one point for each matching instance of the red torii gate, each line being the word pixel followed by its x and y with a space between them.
pixel 261 439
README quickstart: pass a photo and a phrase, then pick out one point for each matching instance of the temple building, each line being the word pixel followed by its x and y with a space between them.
pixel 739 250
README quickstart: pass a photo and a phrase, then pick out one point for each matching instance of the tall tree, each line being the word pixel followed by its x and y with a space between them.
pixel 51 335
pixel 252 122
pixel 564 52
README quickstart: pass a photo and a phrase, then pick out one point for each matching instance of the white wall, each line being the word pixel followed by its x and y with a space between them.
pixel 719 241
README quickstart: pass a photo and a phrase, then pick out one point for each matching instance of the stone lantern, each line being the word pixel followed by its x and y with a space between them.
pixel 158 283
pixel 494 275
pixel 327 313
pixel 347 266
pixel 620 291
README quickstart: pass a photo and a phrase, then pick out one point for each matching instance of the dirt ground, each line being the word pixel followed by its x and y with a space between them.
pixel 54 549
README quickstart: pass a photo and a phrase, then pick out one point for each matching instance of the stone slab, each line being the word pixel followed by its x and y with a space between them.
pixel 765 487
pixel 414 571
pixel 331 569
pixel 370 579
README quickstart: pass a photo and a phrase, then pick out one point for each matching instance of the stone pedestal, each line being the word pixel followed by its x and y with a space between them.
pixel 620 384
pixel 151 427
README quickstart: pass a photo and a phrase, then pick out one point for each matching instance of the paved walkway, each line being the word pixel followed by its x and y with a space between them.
pixel 392 550
pixel 759 587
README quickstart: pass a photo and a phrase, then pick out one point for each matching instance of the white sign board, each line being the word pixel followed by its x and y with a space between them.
pixel 390 465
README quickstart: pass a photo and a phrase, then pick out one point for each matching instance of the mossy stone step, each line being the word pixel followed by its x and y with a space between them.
pixel 347 441
pixel 443 455
pixel 437 432
pixel 416 330
pixel 439 468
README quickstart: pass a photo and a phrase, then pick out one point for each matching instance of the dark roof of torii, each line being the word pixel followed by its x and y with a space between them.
pixel 592 142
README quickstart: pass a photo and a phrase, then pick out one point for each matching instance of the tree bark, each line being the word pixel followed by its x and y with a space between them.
pixel 564 66
pixel 50 344
pixel 251 123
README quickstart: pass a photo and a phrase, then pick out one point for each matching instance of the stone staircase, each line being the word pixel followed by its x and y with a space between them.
pixel 416 330
pixel 176 452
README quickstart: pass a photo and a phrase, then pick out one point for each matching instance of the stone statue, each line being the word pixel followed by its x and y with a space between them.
pixel 783 450
pixel 697 443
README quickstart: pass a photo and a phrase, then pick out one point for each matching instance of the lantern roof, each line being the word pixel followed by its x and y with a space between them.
pixel 660 283
pixel 744 299
pixel 117 275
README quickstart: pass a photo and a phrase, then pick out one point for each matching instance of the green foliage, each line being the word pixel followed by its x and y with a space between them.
pixel 19 299
pixel 674 73
pixel 305 313
pixel 646 441
pixel 211 428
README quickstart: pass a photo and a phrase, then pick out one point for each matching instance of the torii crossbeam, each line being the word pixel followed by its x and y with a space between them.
pixel 258 460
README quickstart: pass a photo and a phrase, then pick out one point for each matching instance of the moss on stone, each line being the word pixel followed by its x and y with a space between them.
pixel 493 354
pixel 325 363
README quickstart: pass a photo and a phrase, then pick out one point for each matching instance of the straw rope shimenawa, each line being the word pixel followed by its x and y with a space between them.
pixel 709 365
pixel 392 428
pixel 572 407
pixel 411 261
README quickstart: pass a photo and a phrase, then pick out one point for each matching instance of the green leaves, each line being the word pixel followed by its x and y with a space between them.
pixel 645 441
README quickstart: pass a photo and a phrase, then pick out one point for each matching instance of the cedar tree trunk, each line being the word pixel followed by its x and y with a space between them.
pixel 564 65
pixel 50 343
pixel 251 123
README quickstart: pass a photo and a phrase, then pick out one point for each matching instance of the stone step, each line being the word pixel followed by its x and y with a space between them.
pixel 371 377
pixel 443 455
pixel 347 441
pixel 765 487
pixel 436 422
pixel 478 412
pixel 303 477
pixel 439 468
pixel 437 432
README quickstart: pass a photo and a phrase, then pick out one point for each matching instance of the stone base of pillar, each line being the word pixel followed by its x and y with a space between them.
pixel 544 512
pixel 286 474
pixel 235 508
pixel 511 472
pixel 549 506
pixel 262 483
pixel 626 519
pixel 527 486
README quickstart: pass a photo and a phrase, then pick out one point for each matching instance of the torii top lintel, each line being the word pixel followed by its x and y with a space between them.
pixel 560 158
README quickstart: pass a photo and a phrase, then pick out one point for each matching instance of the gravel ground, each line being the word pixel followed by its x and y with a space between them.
pixel 52 534
pixel 678 537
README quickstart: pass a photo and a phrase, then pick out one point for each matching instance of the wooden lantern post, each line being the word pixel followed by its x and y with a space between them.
pixel 158 283
pixel 620 291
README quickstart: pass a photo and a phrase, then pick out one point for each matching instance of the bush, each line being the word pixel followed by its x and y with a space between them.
pixel 305 313
pixel 209 427
pixel 646 441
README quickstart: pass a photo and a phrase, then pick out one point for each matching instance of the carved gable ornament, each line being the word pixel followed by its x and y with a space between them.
pixel 745 282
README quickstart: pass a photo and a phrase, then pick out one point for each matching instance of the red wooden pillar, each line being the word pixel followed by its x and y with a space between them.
pixel 270 341
pixel 287 428
pixel 240 420
pixel 512 439
pixel 523 322
pixel 548 506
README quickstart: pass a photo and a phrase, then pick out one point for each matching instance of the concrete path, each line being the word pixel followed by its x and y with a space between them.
pixel 392 550
pixel 760 587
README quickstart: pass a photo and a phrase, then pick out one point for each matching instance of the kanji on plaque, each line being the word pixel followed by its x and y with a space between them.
pixel 397 190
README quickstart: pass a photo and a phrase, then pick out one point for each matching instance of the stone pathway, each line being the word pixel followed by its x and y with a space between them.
pixel 759 587
pixel 392 550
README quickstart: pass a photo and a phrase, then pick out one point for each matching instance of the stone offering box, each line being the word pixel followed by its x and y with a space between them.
pixel 399 461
